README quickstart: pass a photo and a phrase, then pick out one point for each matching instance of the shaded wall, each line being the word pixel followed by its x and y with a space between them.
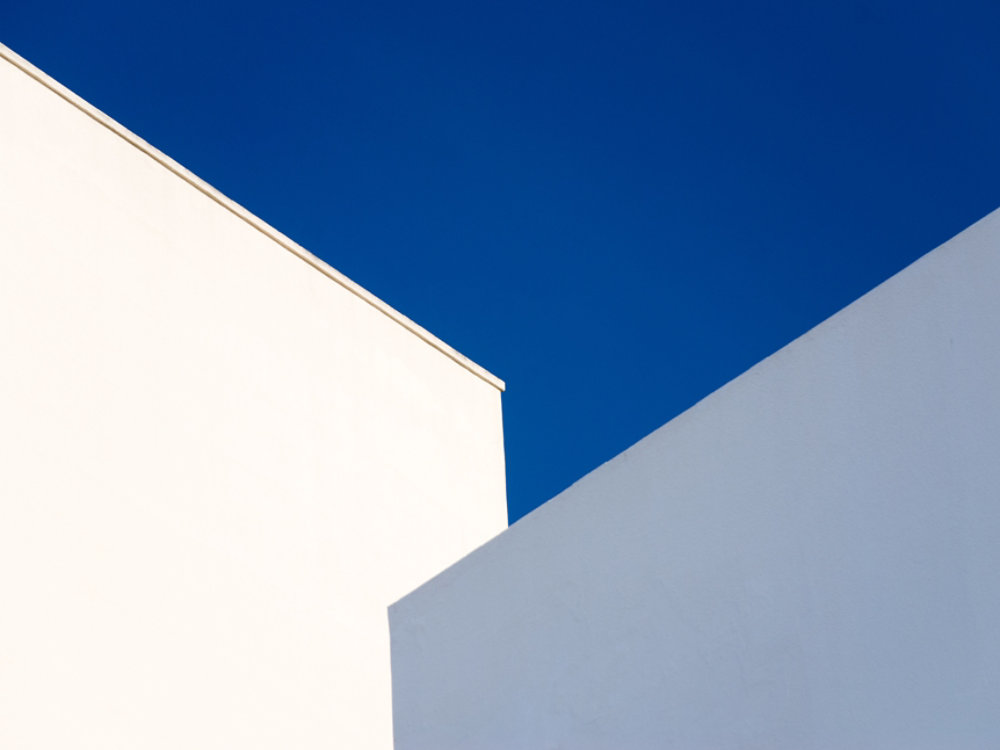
pixel 808 558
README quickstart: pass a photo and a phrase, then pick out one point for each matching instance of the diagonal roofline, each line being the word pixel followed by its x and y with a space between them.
pixel 236 209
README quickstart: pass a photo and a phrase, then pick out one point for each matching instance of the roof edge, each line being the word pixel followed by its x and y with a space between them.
pixel 259 224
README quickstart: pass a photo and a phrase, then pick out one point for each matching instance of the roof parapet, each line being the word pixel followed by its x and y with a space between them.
pixel 259 224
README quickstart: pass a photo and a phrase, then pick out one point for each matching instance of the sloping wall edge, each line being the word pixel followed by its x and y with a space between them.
pixel 230 205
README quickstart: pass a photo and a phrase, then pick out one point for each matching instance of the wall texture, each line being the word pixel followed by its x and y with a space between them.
pixel 808 558
pixel 219 460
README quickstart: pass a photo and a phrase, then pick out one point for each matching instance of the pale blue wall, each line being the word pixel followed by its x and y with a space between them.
pixel 809 558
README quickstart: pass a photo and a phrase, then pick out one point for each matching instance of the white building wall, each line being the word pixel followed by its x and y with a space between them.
pixel 220 460
pixel 808 558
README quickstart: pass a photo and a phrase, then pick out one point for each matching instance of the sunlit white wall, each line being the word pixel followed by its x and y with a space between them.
pixel 218 465
pixel 809 558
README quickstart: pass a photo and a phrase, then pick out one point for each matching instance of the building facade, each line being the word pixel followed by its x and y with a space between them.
pixel 220 460
pixel 808 558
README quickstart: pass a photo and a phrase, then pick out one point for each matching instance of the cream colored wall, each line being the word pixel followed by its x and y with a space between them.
pixel 218 462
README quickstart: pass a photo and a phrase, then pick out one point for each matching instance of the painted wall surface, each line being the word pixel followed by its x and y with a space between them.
pixel 218 464
pixel 808 558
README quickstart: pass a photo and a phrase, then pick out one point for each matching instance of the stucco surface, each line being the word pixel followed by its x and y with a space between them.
pixel 217 465
pixel 808 558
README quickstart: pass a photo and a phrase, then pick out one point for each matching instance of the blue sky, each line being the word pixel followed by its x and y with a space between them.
pixel 616 207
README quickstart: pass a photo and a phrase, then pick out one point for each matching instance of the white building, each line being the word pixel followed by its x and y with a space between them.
pixel 808 558
pixel 220 460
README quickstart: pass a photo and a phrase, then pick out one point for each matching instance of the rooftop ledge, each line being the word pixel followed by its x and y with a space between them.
pixel 261 226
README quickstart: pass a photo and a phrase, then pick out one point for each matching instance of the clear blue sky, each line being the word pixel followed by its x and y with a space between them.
pixel 616 207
